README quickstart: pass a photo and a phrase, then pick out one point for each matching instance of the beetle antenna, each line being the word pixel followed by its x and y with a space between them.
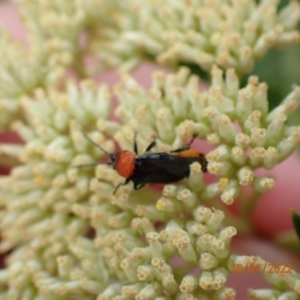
pixel 112 156
pixel 91 165
pixel 195 135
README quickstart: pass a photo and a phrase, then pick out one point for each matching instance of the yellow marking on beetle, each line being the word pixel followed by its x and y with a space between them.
pixel 187 153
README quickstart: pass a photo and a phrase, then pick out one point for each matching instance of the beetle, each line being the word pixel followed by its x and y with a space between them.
pixel 151 167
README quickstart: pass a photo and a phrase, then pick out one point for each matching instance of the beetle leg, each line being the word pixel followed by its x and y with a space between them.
pixel 137 187
pixel 151 145
pixel 120 184
pixel 135 146
pixel 186 147
pixel 203 162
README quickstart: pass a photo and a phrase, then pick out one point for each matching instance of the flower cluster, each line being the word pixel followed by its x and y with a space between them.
pixel 59 33
pixel 62 29
pixel 230 34
pixel 65 234
pixel 73 238
pixel 42 196
pixel 20 73
pixel 63 33
pixel 235 120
